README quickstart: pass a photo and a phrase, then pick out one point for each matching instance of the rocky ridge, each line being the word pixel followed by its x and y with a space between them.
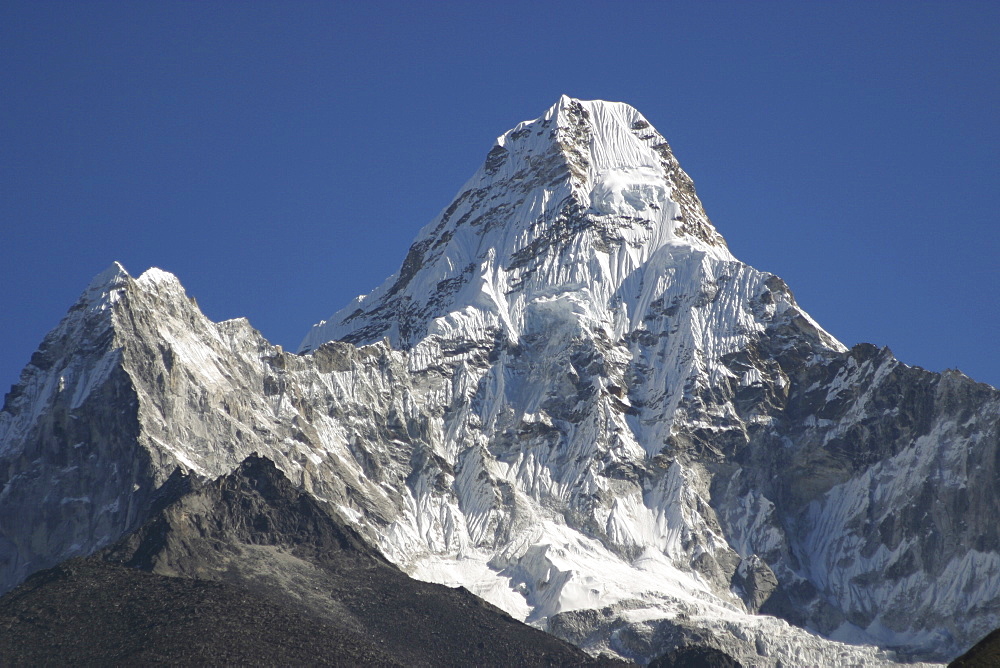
pixel 249 569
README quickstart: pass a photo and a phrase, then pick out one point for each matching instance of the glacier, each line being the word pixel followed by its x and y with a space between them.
pixel 572 400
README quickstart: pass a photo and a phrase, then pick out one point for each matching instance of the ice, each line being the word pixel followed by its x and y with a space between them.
pixel 626 192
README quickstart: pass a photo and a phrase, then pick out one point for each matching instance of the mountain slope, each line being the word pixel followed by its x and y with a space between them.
pixel 572 400
pixel 261 573
pixel 86 612
pixel 983 654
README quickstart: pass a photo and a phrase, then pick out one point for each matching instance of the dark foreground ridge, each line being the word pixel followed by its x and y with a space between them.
pixel 89 612
pixel 695 657
pixel 247 569
pixel 984 654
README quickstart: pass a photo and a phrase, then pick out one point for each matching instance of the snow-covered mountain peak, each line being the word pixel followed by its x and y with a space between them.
pixel 107 287
pixel 105 284
pixel 618 135
pixel 111 277
pixel 154 276
pixel 617 162
pixel 576 201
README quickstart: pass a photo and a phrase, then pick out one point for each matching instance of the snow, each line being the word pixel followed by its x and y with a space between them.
pixel 109 279
pixel 473 573
pixel 627 192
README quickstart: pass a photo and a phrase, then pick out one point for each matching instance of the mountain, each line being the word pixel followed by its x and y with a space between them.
pixel 250 569
pixel 984 654
pixel 572 400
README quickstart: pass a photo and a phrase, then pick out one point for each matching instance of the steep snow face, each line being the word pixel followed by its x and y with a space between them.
pixel 576 201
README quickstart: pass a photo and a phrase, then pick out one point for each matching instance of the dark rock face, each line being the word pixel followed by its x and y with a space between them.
pixel 695 657
pixel 77 413
pixel 250 569
pixel 756 581
pixel 984 654
pixel 255 505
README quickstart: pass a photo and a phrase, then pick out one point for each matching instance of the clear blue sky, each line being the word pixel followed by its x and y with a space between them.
pixel 280 157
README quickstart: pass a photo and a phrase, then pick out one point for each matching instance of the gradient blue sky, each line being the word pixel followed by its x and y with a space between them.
pixel 280 157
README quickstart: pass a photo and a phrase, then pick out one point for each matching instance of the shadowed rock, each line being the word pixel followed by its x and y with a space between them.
pixel 249 569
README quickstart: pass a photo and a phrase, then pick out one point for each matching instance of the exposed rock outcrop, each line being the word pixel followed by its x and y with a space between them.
pixel 249 569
